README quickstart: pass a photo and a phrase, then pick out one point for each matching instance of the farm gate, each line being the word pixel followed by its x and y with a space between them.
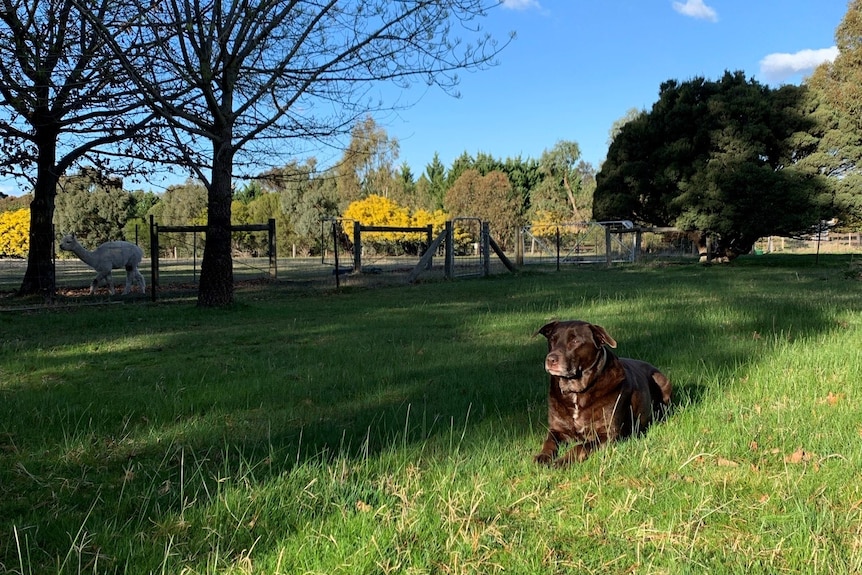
pixel 195 230
pixel 469 249
pixel 465 244
pixel 358 229
pixel 450 239
pixel 578 243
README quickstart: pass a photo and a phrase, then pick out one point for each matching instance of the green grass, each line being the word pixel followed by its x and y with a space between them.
pixel 391 430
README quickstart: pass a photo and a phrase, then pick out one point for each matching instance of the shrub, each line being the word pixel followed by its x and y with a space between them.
pixel 15 233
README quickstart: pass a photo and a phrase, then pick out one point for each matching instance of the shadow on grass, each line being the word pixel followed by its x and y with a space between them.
pixel 147 424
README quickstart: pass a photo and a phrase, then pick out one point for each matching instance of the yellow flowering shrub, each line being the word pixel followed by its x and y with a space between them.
pixel 379 211
pixel 545 224
pixel 15 233
pixel 422 218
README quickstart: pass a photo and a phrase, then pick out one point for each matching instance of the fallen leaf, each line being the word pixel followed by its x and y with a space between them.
pixel 832 399
pixel 722 462
pixel 796 457
pixel 799 456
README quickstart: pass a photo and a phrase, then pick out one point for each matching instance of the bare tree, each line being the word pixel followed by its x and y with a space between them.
pixel 62 100
pixel 248 77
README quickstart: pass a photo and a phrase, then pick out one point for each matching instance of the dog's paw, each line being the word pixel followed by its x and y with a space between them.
pixel 544 458
pixel 577 454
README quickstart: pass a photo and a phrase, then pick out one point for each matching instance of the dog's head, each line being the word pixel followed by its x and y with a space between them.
pixel 575 351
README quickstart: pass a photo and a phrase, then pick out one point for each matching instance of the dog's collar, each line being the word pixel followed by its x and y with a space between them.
pixel 603 359
pixel 594 368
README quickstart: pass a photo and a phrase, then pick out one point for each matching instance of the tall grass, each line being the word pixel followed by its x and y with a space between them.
pixel 391 430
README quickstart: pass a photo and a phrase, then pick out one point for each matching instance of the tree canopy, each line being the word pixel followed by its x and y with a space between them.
pixel 368 164
pixel 231 77
pixel 93 207
pixel 721 158
pixel 841 79
pixel 488 197
pixel 62 99
pixel 838 87
pixel 566 188
pixel 305 198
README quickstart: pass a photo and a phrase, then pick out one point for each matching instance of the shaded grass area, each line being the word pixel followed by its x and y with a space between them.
pixel 392 429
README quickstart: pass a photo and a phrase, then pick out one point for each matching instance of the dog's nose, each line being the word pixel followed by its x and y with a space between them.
pixel 552 360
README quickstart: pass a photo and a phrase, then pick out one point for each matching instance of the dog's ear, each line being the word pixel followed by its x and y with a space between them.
pixel 546 329
pixel 602 336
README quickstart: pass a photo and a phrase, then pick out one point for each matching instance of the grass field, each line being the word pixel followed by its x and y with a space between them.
pixel 391 430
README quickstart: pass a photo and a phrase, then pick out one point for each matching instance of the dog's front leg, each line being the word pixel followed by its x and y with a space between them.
pixel 577 453
pixel 549 449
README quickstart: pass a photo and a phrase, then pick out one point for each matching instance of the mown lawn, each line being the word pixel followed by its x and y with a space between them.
pixel 392 430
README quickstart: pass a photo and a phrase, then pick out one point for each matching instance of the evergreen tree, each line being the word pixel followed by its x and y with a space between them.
pixel 435 175
pixel 718 158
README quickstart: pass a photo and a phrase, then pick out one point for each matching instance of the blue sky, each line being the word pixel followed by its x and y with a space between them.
pixel 577 66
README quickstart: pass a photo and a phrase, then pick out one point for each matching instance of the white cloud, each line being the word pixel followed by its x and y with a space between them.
pixel 520 4
pixel 778 67
pixel 696 9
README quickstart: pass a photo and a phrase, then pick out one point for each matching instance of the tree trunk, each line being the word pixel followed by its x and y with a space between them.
pixel 39 277
pixel 571 195
pixel 216 284
pixel 704 246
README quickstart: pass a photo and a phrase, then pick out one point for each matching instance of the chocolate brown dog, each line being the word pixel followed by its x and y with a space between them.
pixel 595 396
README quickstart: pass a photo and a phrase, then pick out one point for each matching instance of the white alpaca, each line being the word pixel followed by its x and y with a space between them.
pixel 108 256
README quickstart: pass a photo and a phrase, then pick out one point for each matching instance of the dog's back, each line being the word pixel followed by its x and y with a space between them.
pixel 658 385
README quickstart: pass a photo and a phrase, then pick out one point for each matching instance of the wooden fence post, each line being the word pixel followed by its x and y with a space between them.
pixel 558 248
pixel 500 254
pixel 273 255
pixel 608 259
pixel 154 257
pixel 425 260
pixel 357 248
pixel 519 246
pixel 335 251
pixel 429 241
pixel 485 251
pixel 449 263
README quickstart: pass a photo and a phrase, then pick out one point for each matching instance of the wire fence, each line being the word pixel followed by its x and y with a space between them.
pixel 181 275
pixel 175 274
pixel 600 243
